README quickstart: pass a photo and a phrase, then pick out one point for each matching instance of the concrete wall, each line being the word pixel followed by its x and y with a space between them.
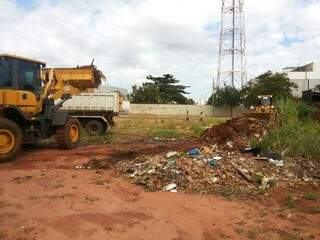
pixel 180 110
pixel 300 78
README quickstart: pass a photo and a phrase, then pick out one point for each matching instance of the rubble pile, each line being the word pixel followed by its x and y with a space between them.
pixel 210 170
pixel 225 164
pixel 235 133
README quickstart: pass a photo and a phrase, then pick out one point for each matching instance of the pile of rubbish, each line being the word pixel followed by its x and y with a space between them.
pixel 235 133
pixel 210 170
pixel 225 164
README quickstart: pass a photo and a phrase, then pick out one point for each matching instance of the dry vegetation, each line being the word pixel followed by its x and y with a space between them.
pixel 150 127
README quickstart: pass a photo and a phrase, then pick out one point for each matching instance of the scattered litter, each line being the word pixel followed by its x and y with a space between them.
pixel 80 167
pixel 213 163
pixel 217 158
pixel 212 171
pixel 254 150
pixel 171 163
pixel 171 154
pixel 208 150
pixel 261 158
pixel 244 172
pixel 194 152
pixel 266 183
pixel 230 144
pixel 170 187
pixel 175 171
pixel 151 171
pixel 215 179
pixel 278 163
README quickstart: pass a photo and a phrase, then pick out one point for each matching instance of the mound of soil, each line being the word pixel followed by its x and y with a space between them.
pixel 237 131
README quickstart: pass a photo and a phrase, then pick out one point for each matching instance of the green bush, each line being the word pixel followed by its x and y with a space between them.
pixel 293 132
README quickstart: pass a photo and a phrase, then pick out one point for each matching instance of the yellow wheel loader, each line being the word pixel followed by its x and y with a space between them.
pixel 28 112
pixel 263 109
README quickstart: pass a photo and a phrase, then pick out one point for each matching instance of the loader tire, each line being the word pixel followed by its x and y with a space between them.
pixel 69 136
pixel 94 128
pixel 10 139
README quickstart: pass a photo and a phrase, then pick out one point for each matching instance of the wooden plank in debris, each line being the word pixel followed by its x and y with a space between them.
pixel 244 172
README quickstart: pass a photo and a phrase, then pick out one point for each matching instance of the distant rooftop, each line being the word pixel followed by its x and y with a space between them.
pixel 104 89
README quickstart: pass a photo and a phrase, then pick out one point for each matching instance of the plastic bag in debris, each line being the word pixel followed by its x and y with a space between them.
pixel 171 163
pixel 194 152
pixel 266 183
pixel 278 163
pixel 172 154
pixel 213 163
pixel 170 187
pixel 254 150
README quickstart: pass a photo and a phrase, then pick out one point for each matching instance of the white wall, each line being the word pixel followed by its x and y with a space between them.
pixel 181 110
pixel 300 78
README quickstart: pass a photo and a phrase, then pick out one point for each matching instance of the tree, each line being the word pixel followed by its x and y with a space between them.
pixel 147 93
pixel 163 90
pixel 227 96
pixel 317 88
pixel 209 101
pixel 276 84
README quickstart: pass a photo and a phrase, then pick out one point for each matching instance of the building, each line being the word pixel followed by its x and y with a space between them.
pixel 108 89
pixel 306 77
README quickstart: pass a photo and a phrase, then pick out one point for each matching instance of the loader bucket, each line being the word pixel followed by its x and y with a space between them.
pixel 83 77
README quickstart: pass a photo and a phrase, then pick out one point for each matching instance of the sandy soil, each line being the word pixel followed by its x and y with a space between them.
pixel 43 196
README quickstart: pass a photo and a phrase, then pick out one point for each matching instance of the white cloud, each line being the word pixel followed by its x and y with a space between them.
pixel 130 39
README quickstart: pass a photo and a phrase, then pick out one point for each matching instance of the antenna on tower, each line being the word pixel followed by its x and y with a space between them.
pixel 232 46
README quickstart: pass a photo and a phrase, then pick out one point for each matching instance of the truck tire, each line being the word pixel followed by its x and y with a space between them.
pixel 69 135
pixel 94 128
pixel 10 139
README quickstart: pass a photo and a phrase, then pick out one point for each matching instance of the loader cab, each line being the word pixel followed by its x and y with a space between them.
pixel 19 73
pixel 265 100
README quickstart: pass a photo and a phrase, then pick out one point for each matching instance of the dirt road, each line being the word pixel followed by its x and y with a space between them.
pixel 43 196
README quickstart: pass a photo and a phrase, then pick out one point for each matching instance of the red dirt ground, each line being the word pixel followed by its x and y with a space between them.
pixel 42 196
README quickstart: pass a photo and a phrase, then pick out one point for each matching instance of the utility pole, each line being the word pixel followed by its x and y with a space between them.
pixel 232 46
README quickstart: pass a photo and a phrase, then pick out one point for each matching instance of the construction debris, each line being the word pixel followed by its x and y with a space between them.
pixel 224 162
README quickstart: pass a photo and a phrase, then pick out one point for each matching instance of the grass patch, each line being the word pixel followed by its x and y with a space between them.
pixel 289 202
pixel 310 196
pixel 2 236
pixel 227 192
pixel 253 233
pixel 165 127
pixel 197 130
pixel 316 209
pixel 107 137
pixel 284 235
pixel 166 133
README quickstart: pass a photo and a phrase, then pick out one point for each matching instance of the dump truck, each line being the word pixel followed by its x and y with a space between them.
pixel 95 111
pixel 263 110
pixel 28 112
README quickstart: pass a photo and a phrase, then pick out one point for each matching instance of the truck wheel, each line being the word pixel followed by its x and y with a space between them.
pixel 94 128
pixel 69 135
pixel 10 139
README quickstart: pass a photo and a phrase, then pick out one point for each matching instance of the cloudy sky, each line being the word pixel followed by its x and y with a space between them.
pixel 130 39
